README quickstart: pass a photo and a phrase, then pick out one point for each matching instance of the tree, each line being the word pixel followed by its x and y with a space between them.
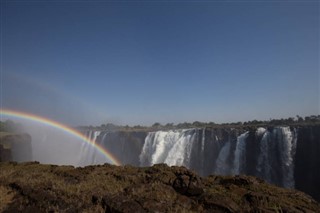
pixel 169 125
pixel 157 125
pixel 211 123
pixel 299 119
pixel 110 126
pixel 197 124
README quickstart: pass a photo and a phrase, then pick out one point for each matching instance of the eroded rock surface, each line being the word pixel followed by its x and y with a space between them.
pixel 32 187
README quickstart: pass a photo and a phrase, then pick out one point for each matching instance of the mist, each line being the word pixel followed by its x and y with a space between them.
pixel 55 146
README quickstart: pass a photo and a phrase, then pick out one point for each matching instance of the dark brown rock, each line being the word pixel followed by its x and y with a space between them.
pixel 188 185
pixel 119 204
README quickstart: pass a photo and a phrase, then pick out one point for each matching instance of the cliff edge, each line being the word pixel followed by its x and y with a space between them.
pixel 33 187
pixel 15 147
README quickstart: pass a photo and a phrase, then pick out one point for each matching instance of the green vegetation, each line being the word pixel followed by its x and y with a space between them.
pixel 297 121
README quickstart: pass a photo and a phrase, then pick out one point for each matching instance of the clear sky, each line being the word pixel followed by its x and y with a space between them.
pixel 140 62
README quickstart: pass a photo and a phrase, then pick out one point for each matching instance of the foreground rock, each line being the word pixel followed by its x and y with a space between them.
pixel 32 187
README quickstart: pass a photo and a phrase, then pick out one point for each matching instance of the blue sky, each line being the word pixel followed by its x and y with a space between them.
pixel 140 62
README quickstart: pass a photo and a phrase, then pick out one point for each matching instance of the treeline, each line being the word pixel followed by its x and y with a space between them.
pixel 298 120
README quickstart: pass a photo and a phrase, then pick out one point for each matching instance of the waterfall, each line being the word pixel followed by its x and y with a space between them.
pixel 260 131
pixel 222 166
pixel 264 167
pixel 203 141
pixel 171 147
pixel 288 145
pixel 84 151
pixel 88 153
pixel 94 151
pixel 239 154
pixel 276 158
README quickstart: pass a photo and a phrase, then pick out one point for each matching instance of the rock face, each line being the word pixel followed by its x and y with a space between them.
pixel 124 145
pixel 307 161
pixel 5 153
pixel 32 187
pixel 15 147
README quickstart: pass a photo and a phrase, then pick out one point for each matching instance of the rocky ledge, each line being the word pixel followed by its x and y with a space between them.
pixel 33 187
pixel 15 147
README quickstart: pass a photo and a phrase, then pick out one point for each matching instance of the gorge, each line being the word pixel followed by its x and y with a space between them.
pixel 282 155
pixel 286 156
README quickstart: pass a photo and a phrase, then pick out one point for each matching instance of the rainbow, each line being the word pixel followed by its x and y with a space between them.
pixel 64 128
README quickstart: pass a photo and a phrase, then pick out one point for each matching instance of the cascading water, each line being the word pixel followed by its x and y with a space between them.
pixel 239 154
pixel 276 158
pixel 94 151
pixel 157 146
pixel 170 147
pixel 222 166
pixel 263 166
pixel 88 153
pixel 288 146
pixel 203 141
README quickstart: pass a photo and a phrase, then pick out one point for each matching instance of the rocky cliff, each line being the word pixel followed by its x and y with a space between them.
pixel 123 144
pixel 307 161
pixel 32 187
pixel 15 147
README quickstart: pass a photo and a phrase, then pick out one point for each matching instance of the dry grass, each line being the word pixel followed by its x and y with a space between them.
pixel 6 197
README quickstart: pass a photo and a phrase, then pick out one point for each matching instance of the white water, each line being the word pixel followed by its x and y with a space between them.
pixel 175 147
pixel 222 166
pixel 89 154
pixel 260 131
pixel 239 154
pixel 289 142
pixel 170 147
pixel 264 167
pixel 283 141
pixel 203 141
pixel 93 150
